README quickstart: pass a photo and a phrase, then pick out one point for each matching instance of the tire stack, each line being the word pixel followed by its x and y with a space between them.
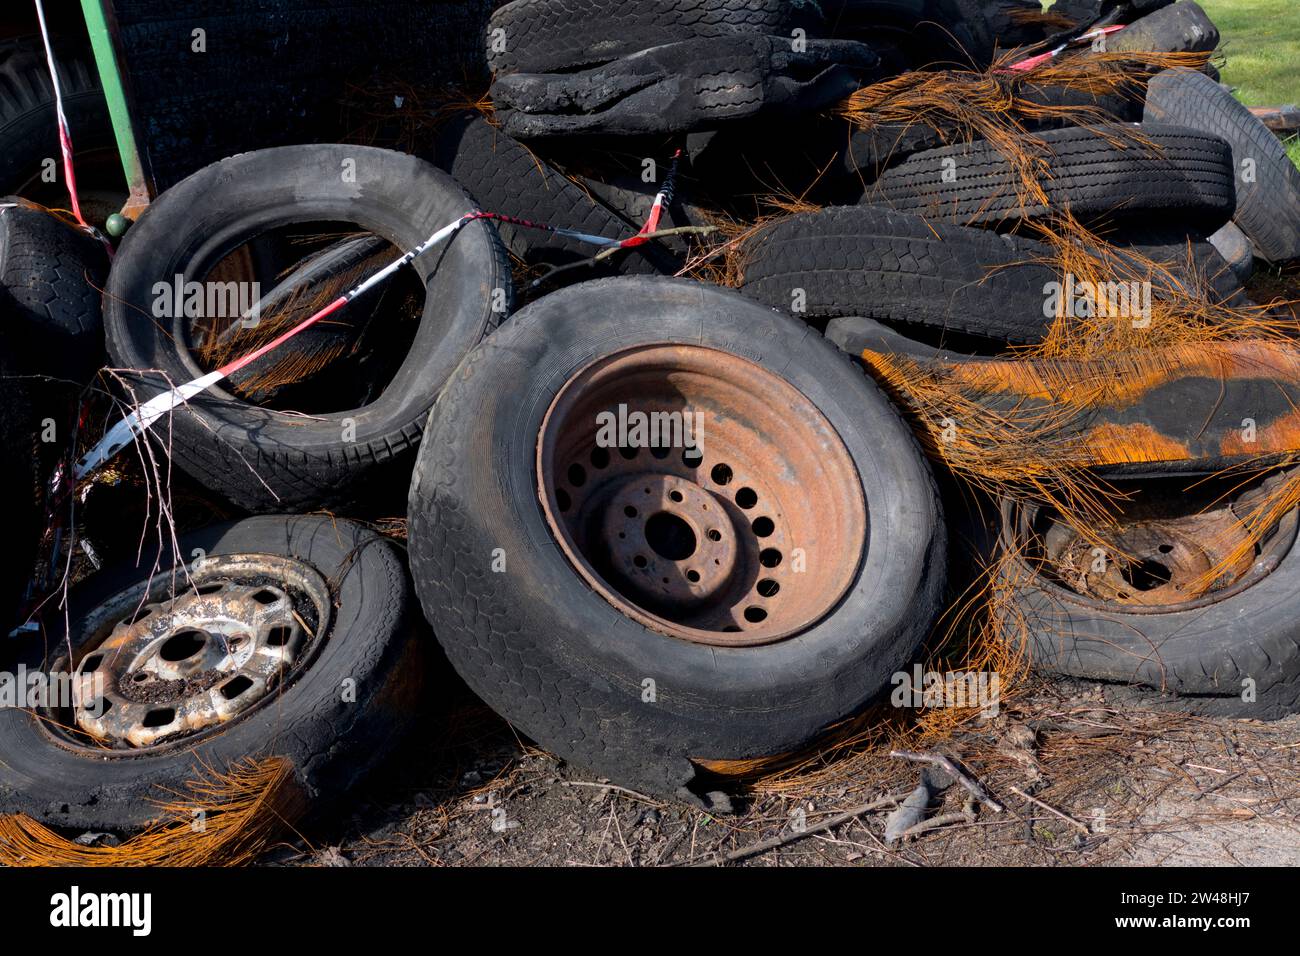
pixel 656 524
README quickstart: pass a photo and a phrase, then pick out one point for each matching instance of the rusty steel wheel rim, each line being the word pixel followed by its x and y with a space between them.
pixel 1155 556
pixel 161 670
pixel 747 536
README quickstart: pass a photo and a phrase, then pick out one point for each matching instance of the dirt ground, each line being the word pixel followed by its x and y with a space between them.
pixel 1117 781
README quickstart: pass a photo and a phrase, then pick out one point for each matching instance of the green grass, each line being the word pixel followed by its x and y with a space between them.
pixel 1260 40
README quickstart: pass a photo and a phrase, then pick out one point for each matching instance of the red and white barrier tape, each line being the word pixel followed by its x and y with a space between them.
pixel 142 419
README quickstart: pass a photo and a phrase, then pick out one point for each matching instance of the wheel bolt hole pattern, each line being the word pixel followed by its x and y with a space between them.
pixel 767 587
pixel 660 453
pixel 693 576
pixel 769 557
pixel 236 686
pixel 1146 575
pixel 762 527
pixel 577 475
pixel 746 498
pixel 182 645
pixel 628 453
pixel 640 561
pixel 713 534
pixel 670 536
pixel 692 458
pixel 599 458
pixel 755 615
pixel 721 474
pixel 562 500
pixel 630 511
pixel 675 496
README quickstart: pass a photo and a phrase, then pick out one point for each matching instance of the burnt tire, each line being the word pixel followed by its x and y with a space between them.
pixel 373 639
pixel 267 460
pixel 51 281
pixel 505 176
pixel 1268 200
pixel 877 263
pixel 1182 27
pixel 567 666
pixel 546 36
pixel 684 87
pixel 1208 653
pixel 1185 175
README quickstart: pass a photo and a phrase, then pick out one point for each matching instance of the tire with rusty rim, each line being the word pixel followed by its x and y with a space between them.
pixel 1082 612
pixel 246 659
pixel 634 604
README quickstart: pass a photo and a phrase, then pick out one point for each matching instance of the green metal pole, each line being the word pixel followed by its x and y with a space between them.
pixel 110 78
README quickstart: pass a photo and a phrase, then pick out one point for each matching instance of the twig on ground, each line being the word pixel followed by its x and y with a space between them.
pixel 829 823
pixel 977 789
pixel 1081 827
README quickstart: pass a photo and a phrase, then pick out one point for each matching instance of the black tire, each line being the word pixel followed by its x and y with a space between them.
pixel 1237 250
pixel 684 87
pixel 29 132
pixel 965 33
pixel 548 36
pixel 1268 201
pixel 373 639
pixel 871 151
pixel 1194 265
pixel 52 277
pixel 1182 27
pixel 507 177
pixel 1187 177
pixel 238 449
pixel 1201 652
pixel 876 263
pixel 554 657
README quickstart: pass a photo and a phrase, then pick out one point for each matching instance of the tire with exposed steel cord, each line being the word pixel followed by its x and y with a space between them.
pixel 1234 651
pixel 653 607
pixel 355 621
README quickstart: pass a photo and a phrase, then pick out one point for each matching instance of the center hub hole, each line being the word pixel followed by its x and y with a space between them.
pixel 669 536
pixel 182 645
pixel 1146 575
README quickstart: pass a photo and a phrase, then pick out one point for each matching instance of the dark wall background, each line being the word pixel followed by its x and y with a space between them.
pixel 275 71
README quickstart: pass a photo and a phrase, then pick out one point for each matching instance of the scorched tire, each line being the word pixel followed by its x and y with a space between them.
pixel 367 633
pixel 541 625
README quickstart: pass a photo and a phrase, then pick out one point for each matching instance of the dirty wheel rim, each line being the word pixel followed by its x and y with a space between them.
pixel 1154 556
pixel 701 494
pixel 160 669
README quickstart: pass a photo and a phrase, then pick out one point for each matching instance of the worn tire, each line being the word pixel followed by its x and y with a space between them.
pixel 1182 27
pixel 550 654
pixel 374 640
pixel 1236 249
pixel 1187 177
pixel 51 281
pixel 1201 653
pixel 684 87
pixel 505 176
pixel 876 263
pixel 1268 203
pixel 238 449
pixel 548 36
